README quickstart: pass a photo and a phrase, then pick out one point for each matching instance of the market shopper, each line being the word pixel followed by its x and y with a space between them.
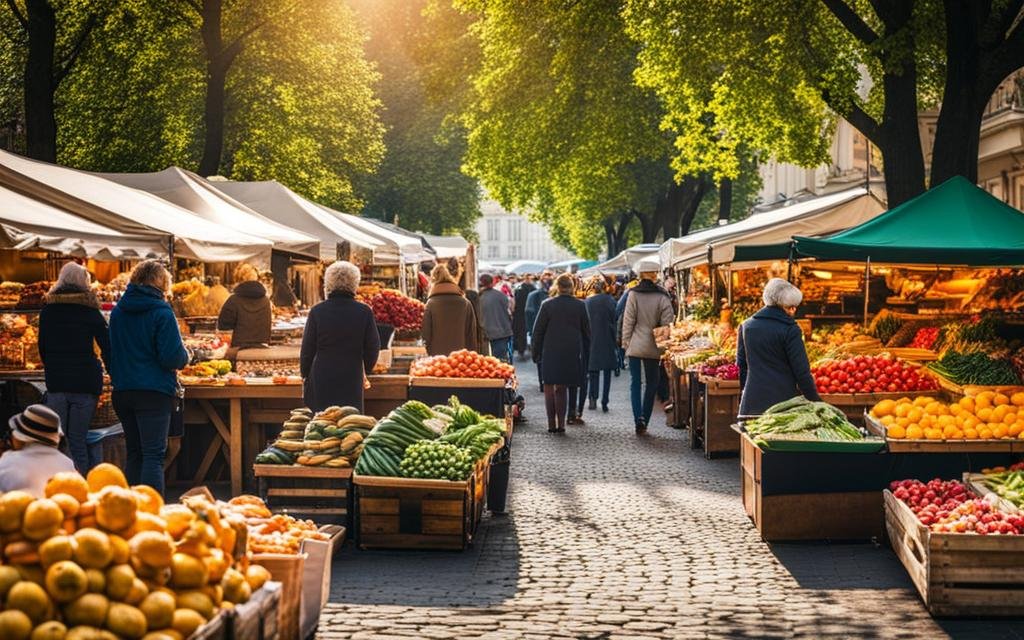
pixel 495 308
pixel 770 352
pixel 519 322
pixel 71 327
pixel 449 321
pixel 533 302
pixel 34 457
pixel 647 307
pixel 340 343
pixel 246 313
pixel 561 342
pixel 603 357
pixel 145 353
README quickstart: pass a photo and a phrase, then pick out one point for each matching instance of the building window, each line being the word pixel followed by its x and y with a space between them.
pixel 513 251
pixel 494 230
pixel 492 251
pixel 515 230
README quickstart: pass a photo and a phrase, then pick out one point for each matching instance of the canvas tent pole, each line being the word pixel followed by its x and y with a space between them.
pixel 170 256
pixel 867 288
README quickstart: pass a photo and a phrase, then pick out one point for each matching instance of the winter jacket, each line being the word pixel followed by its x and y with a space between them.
pixel 481 336
pixel 247 314
pixel 561 341
pixel 70 326
pixel 519 326
pixel 340 344
pixel 145 344
pixel 601 313
pixel 533 302
pixel 449 321
pixel 494 305
pixel 647 308
pixel 773 361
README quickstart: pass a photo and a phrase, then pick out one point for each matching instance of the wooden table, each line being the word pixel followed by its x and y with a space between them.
pixel 270 403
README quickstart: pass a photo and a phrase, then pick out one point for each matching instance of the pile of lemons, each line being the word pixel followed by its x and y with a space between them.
pixel 989 415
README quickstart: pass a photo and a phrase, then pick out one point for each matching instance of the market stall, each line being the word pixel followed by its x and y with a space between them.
pixel 621 264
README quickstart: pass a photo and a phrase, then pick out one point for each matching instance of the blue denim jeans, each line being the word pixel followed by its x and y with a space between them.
pixel 502 349
pixel 651 367
pixel 146 419
pixel 605 389
pixel 76 411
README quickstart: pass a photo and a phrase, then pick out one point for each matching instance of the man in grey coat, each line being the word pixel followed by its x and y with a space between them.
pixel 496 310
pixel 647 308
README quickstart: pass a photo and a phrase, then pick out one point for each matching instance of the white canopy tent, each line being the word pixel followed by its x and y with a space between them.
pixel 409 244
pixel 191 192
pixel 448 246
pixel 129 211
pixel 622 263
pixel 820 215
pixel 279 203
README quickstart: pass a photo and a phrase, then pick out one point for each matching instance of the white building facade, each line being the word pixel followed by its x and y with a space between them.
pixel 506 237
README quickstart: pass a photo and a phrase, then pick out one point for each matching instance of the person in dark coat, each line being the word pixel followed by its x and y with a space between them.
pixel 603 344
pixel 533 302
pixel 561 343
pixel 246 312
pixel 519 325
pixel 340 344
pixel 70 328
pixel 145 353
pixel 449 321
pixel 473 296
pixel 770 352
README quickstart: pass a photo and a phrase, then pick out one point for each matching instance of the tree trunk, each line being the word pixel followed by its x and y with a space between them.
pixel 724 200
pixel 694 190
pixel 668 212
pixel 648 227
pixel 39 85
pixel 900 141
pixel 216 77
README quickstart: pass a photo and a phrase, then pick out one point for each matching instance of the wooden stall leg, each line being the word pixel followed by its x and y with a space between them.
pixel 236 445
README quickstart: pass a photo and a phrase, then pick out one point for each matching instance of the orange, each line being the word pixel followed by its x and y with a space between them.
pixel 888 420
pixel 967 403
pixel 915 414
pixel 149 500
pixel 1001 399
pixel 984 414
pixel 999 413
pixel 42 519
pixel 69 482
pixel 902 422
pixel 971 422
pixel 985 433
pixel 955 409
pixel 116 508
pixel 896 432
pixel 1009 418
pixel 902 410
pixel 884 408
pixel 922 401
pixel 914 432
pixel 933 434
pixel 970 434
pixel 1017 399
pixel 933 408
pixel 949 431
pixel 1014 430
pixel 927 423
pixel 1000 431
pixel 105 475
pixel 983 400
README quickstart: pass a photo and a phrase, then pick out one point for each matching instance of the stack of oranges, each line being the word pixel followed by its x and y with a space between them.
pixel 989 415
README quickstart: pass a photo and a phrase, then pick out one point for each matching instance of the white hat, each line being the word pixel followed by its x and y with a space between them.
pixel 650 264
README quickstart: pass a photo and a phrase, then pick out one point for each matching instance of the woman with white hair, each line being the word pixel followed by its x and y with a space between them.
pixel 70 328
pixel 770 352
pixel 340 344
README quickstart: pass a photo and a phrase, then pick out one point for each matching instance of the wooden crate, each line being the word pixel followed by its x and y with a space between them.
pixel 457 383
pixel 721 406
pixel 834 515
pixel 410 513
pixel 958 574
pixel 315 492
pixel 215 629
pixel 695 393
pixel 257 618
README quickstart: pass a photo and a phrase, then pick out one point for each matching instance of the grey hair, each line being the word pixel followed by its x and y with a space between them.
pixel 780 293
pixel 152 273
pixel 341 276
pixel 73 277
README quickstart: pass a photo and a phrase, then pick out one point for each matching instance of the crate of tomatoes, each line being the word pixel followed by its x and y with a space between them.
pixel 462 368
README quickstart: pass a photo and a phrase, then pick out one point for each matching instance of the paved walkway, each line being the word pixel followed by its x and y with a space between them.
pixel 611 536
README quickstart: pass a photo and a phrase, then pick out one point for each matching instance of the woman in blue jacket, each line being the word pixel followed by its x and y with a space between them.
pixel 146 352
pixel 770 352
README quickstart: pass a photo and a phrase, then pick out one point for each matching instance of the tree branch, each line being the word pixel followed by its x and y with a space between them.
pixel 855 115
pixel 996 27
pixel 76 50
pixel 1009 56
pixel 229 52
pixel 18 14
pixel 853 22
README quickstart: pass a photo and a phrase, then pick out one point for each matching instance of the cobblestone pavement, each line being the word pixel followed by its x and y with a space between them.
pixel 612 536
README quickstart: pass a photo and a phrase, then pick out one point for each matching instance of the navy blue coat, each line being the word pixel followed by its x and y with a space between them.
pixel 340 343
pixel 603 340
pixel 561 341
pixel 145 344
pixel 69 326
pixel 773 361
pixel 533 302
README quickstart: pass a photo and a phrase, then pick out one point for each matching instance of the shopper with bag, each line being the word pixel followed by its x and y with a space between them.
pixel 647 307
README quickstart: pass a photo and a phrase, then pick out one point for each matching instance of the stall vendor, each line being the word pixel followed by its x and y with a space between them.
pixel 34 458
pixel 770 352
pixel 246 313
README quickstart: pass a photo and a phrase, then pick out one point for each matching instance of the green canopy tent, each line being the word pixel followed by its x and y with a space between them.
pixel 955 223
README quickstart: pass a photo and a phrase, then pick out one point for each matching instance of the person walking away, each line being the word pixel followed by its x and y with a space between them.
pixel 473 296
pixel 449 322
pixel 561 340
pixel 497 319
pixel 533 302
pixel 145 354
pixel 33 458
pixel 246 312
pixel 647 307
pixel 70 328
pixel 340 344
pixel 519 324
pixel 770 352
pixel 603 345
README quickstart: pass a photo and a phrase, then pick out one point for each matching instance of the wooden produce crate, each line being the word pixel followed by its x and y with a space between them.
pixel 906 445
pixel 695 393
pixel 856 405
pixel 412 513
pixel 257 618
pixel 850 508
pixel 457 383
pixel 314 492
pixel 721 406
pixel 958 574
pixel 483 395
pixel 215 629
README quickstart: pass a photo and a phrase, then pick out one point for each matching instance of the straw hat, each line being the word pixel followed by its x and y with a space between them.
pixel 37 423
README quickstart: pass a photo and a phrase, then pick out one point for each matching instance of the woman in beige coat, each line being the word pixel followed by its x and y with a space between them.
pixel 449 321
pixel 648 307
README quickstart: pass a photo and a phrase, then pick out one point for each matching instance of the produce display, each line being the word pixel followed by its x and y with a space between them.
pixel 332 438
pixel 196 299
pixel 870 374
pixel 10 294
pixel 208 368
pixel 986 416
pixel 949 507
pixel 270 533
pixel 19 342
pixel 392 307
pixel 108 294
pixel 279 371
pixel 416 441
pixel 722 366
pixel 462 364
pixel 925 338
pixel 1008 484
pixel 206 347
pixel 802 419
pixel 96 558
pixel 33 296
pixel 975 368
pixel 884 326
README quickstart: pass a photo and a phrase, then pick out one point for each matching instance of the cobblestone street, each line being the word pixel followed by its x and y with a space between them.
pixel 613 536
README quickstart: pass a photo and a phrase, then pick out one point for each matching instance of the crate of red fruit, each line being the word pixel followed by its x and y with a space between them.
pixel 462 368
pixel 870 379
pixel 963 553
pixel 394 308
pixel 720 375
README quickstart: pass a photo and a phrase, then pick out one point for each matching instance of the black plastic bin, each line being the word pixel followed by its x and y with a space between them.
pixel 497 488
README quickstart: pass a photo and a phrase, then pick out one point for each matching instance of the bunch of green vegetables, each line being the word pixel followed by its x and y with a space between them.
pixel 975 368
pixel 1008 485
pixel 800 418
pixel 437 460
